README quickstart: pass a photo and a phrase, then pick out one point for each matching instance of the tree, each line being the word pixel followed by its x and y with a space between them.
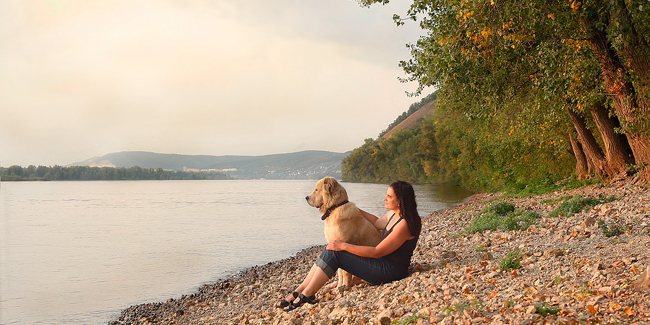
pixel 544 55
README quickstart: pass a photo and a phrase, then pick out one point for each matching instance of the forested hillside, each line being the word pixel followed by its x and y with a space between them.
pixel 309 164
pixel 529 93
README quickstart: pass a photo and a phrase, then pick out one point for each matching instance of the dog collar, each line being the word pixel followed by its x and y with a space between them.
pixel 332 208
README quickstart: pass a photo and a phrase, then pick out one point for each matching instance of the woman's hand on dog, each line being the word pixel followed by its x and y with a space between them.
pixel 335 245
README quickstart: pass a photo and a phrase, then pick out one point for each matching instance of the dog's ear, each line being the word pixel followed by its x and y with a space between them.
pixel 335 192
pixel 329 192
pixel 329 184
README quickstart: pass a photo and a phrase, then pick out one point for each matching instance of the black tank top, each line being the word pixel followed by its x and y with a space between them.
pixel 402 255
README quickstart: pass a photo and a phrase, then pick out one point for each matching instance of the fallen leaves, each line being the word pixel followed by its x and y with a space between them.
pixel 592 309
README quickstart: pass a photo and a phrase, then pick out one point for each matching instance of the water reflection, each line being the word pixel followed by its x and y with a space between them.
pixel 430 198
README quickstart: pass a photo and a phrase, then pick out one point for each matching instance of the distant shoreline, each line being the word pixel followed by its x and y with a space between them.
pixel 86 173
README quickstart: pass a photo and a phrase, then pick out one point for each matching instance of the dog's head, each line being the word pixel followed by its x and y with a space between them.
pixel 328 192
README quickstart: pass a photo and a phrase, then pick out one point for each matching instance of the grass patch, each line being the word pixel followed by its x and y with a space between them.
pixel 611 229
pixel 512 261
pixel 408 320
pixel 578 204
pixel 558 200
pixel 474 304
pixel 502 216
pixel 501 208
pixel 544 309
pixel 524 189
pixel 480 248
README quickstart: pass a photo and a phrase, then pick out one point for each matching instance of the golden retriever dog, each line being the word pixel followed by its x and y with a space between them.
pixel 343 220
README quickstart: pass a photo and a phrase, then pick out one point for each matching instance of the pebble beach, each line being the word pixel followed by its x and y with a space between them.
pixel 569 270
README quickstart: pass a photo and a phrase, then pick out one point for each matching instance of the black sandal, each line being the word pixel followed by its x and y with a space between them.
pixel 284 303
pixel 302 299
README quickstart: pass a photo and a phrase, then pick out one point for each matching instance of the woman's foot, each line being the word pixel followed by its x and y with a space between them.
pixel 301 300
pixel 287 301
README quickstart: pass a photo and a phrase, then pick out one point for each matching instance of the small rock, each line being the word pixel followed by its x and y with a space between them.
pixel 642 283
pixel 491 275
pixel 486 256
pixel 554 252
pixel 384 320
pixel 447 255
pixel 386 313
pixel 605 290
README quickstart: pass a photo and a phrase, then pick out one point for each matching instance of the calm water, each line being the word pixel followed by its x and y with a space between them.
pixel 80 252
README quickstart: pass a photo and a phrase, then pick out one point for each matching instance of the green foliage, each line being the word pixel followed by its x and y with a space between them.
pixel 558 199
pixel 474 304
pixel 408 320
pixel 449 148
pixel 512 261
pixel 611 229
pixel 578 204
pixel 546 186
pixel 507 72
pixel 384 160
pixel 502 216
pixel 85 173
pixel 558 279
pixel 501 208
pixel 480 248
pixel 544 309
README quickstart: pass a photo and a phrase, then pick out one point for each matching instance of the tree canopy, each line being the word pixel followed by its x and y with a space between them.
pixel 538 83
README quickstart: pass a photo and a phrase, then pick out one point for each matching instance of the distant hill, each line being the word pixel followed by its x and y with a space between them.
pixel 412 120
pixel 299 165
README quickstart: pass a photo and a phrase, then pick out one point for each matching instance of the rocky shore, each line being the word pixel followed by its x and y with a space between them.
pixel 569 269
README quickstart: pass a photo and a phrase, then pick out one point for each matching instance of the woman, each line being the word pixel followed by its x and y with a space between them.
pixel 386 262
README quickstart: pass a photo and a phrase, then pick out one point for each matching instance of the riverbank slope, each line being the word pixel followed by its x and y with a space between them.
pixel 570 273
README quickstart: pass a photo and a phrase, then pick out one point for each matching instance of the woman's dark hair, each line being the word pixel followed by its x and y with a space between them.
pixel 407 206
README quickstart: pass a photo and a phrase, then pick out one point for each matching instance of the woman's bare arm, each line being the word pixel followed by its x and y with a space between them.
pixel 379 223
pixel 395 239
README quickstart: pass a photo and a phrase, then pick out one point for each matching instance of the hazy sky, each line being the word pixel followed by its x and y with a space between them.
pixel 80 78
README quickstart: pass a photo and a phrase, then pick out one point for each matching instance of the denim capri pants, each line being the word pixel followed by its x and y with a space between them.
pixel 374 270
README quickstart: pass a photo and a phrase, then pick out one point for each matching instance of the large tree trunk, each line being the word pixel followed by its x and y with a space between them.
pixel 634 51
pixel 630 106
pixel 581 159
pixel 615 146
pixel 590 147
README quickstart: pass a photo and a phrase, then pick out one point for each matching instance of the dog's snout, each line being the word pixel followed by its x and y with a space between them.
pixel 307 197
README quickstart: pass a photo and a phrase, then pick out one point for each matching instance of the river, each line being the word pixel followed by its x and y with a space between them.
pixel 80 252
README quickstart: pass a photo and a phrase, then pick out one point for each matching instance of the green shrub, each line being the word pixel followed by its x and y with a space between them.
pixel 519 220
pixel 502 216
pixel 501 208
pixel 512 261
pixel 612 229
pixel 558 200
pixel 578 204
pixel 482 223
pixel 408 320
pixel 472 305
pixel 544 309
